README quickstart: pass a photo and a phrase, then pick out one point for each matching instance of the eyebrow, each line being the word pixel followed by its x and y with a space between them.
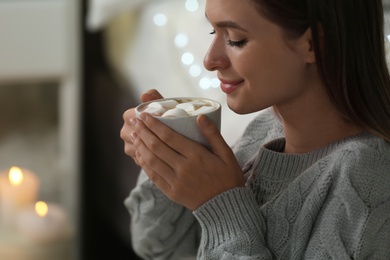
pixel 229 24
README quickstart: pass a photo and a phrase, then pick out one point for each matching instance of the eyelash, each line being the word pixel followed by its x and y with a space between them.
pixel 238 44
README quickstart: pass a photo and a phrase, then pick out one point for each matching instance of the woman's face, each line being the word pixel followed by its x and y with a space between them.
pixel 257 66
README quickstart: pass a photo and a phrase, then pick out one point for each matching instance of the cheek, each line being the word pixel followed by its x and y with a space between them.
pixel 273 70
pixel 272 80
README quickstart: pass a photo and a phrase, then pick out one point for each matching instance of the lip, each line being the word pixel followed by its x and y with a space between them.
pixel 229 87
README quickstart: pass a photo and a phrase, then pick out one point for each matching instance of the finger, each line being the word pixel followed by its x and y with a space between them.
pixel 127 116
pixel 129 148
pixel 155 153
pixel 129 113
pixel 179 143
pixel 126 130
pixel 127 127
pixel 152 162
pixel 151 94
pixel 214 138
pixel 153 175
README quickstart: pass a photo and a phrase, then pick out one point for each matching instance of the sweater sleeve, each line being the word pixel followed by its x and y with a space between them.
pixel 232 227
pixel 160 228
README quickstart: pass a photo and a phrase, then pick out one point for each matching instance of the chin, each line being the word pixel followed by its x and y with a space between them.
pixel 236 108
pixel 243 109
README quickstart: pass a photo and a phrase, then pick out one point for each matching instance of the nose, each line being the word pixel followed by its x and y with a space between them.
pixel 216 58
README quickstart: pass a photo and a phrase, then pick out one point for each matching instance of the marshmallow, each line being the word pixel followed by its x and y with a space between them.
pixel 191 106
pixel 155 111
pixel 173 108
pixel 188 107
pixel 175 112
pixel 203 110
pixel 167 104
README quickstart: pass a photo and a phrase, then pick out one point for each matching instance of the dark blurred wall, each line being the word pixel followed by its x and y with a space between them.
pixel 107 174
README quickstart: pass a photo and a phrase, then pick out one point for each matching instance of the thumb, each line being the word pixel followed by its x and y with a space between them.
pixel 214 138
pixel 149 95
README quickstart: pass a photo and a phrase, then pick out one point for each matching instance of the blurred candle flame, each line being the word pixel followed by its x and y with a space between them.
pixel 41 208
pixel 15 176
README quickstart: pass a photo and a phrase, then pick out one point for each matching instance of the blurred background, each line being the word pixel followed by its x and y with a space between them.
pixel 68 71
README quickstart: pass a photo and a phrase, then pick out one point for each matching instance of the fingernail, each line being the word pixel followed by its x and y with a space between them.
pixel 204 120
pixel 133 121
pixel 143 116
pixel 134 135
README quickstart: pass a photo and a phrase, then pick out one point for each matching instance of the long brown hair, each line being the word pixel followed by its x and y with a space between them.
pixel 349 42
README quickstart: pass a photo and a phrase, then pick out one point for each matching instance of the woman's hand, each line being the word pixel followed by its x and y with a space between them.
pixel 187 172
pixel 127 128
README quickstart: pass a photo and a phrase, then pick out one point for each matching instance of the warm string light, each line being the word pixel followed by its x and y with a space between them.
pixel 194 67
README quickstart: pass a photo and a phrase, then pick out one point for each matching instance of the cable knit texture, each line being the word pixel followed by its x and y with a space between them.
pixel 331 203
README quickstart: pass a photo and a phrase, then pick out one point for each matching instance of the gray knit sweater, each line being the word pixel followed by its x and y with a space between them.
pixel 331 203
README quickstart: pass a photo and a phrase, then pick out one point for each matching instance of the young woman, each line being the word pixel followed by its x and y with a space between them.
pixel 310 177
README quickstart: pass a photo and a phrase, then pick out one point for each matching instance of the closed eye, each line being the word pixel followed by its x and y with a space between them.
pixel 238 44
pixel 231 43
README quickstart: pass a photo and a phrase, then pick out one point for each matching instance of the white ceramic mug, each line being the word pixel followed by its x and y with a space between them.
pixel 186 125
